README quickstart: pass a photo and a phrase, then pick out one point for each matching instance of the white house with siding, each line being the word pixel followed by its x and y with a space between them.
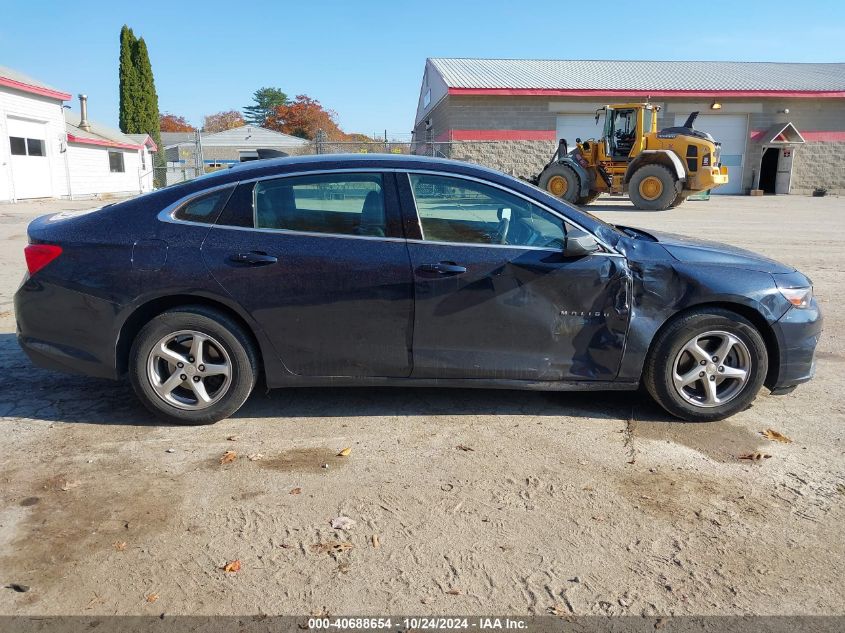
pixel 48 152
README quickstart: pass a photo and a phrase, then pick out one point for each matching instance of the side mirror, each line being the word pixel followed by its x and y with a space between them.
pixel 579 243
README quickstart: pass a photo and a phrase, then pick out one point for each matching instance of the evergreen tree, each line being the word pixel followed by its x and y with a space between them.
pixel 128 90
pixel 138 98
pixel 266 101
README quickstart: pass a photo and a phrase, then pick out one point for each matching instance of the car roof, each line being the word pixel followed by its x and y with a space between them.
pixel 317 161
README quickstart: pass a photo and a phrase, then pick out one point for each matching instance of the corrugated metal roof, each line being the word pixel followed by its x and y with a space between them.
pixel 14 75
pixel 565 74
pixel 244 137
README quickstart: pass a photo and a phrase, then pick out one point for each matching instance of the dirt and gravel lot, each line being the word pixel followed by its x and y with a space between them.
pixel 465 501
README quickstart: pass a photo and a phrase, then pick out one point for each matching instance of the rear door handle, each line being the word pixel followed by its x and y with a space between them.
pixel 443 268
pixel 253 258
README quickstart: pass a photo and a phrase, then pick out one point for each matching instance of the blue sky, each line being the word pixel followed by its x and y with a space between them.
pixel 365 59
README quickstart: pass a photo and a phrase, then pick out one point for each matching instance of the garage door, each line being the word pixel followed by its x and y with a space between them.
pixel 583 126
pixel 731 130
pixel 29 162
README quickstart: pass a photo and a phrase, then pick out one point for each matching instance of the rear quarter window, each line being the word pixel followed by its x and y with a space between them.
pixel 204 208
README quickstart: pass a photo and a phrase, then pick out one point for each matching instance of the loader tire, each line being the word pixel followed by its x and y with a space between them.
pixel 560 181
pixel 678 201
pixel 653 188
pixel 590 197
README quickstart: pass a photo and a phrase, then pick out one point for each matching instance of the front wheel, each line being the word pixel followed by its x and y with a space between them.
pixel 706 365
pixel 561 181
pixel 192 365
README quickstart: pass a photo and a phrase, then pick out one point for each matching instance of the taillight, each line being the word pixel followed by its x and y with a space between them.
pixel 39 255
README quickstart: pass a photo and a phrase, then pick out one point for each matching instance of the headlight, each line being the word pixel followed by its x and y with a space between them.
pixel 799 297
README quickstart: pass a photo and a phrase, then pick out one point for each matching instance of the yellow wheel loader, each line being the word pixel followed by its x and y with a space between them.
pixel 657 169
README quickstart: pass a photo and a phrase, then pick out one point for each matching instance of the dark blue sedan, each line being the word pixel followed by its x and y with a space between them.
pixel 407 271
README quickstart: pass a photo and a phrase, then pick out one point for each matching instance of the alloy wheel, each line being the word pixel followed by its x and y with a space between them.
pixel 189 370
pixel 711 369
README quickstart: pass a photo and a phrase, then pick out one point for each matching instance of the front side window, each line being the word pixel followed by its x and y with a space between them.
pixel 116 162
pixel 347 204
pixel 467 212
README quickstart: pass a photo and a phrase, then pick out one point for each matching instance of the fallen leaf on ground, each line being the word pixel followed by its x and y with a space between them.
pixel 342 523
pixel 775 436
pixel 376 541
pixel 756 456
pixel 296 491
pixel 255 457
pixel 455 592
pixel 232 438
pixel 119 545
pixel 345 452
pixel 228 457
pixel 461 447
pixel 232 566
pixel 152 597
pixel 331 546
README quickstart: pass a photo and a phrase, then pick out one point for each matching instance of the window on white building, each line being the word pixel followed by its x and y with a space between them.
pixel 26 146
pixel 116 162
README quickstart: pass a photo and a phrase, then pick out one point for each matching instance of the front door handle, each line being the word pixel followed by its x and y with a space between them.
pixel 443 268
pixel 253 258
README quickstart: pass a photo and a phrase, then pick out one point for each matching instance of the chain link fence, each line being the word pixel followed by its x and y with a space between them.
pixel 524 159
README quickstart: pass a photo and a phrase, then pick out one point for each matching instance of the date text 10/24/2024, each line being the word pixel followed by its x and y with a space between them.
pixel 432 623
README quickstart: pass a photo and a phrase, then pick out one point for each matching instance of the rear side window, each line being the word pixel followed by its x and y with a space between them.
pixel 203 209
pixel 346 204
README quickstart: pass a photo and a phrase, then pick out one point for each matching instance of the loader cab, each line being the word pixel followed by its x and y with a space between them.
pixel 625 129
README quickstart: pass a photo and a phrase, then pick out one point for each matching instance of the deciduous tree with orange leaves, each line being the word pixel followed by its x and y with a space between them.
pixel 172 123
pixel 303 117
pixel 222 121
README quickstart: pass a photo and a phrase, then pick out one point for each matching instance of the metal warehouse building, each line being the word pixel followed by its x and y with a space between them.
pixel 781 125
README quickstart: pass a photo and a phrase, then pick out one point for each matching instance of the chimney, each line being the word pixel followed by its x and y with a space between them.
pixel 83 113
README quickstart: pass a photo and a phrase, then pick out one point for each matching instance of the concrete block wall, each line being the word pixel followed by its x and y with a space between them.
pixel 818 164
pixel 524 159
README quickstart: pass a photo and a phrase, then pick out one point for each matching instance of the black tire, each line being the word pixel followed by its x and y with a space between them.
pixel 240 356
pixel 666 348
pixel 591 197
pixel 670 188
pixel 552 173
pixel 678 201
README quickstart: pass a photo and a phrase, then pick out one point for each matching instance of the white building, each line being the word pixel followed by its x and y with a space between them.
pixel 46 152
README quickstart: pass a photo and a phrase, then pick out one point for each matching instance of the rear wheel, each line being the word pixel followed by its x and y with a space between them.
pixel 706 365
pixel 560 181
pixel 653 188
pixel 192 365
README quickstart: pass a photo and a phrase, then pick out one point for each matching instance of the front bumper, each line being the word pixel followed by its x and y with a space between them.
pixel 798 333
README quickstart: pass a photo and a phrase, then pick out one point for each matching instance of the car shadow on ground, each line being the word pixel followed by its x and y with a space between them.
pixel 30 393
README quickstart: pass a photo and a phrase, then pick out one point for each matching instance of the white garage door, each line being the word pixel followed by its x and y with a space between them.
pixel 29 162
pixel 731 130
pixel 583 126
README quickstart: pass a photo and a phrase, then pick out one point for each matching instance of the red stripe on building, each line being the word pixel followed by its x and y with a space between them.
pixel 503 135
pixel 556 92
pixel 826 136
pixel 103 143
pixel 36 90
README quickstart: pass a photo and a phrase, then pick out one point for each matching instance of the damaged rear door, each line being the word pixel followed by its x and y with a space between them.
pixel 494 295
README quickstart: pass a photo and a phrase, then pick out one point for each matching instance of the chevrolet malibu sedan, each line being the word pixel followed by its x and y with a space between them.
pixel 405 271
